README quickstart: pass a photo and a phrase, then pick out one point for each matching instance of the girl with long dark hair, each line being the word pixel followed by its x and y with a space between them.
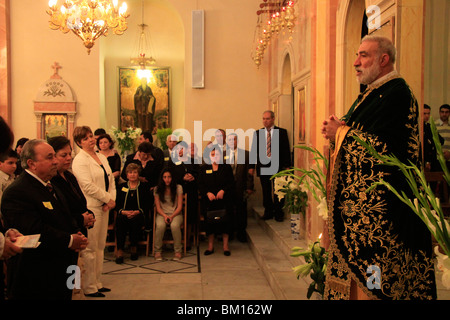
pixel 168 203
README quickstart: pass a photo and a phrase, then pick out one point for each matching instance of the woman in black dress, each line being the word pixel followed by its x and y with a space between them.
pixel 68 184
pixel 216 185
pixel 105 146
pixel 132 205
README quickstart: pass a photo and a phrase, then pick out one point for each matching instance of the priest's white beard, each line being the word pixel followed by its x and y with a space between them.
pixel 368 75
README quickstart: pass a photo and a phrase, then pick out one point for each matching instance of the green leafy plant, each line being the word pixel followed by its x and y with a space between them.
pixel 313 179
pixel 291 182
pixel 296 199
pixel 162 134
pixel 316 259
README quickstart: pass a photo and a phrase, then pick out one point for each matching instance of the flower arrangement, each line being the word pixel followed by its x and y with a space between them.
pixel 292 183
pixel 313 180
pixel 126 139
pixel 316 266
pixel 425 204
pixel 295 196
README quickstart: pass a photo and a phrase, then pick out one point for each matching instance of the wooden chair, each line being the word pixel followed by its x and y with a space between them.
pixel 440 189
pixel 200 222
pixel 183 227
pixel 112 228
pixel 146 241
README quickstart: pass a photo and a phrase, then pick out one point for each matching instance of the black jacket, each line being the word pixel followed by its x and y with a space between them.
pixel 29 207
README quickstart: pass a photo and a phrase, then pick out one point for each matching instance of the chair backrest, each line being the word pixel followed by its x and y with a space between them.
pixel 439 186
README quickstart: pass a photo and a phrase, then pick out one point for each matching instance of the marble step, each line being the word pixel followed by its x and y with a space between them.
pixel 271 244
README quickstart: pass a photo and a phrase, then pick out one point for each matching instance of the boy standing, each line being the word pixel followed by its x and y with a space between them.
pixel 8 164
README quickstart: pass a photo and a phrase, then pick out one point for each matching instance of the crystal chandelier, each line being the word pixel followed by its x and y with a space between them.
pixel 88 19
pixel 280 15
pixel 140 58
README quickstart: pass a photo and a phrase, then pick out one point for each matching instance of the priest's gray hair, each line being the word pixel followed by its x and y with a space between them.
pixel 28 151
pixel 385 45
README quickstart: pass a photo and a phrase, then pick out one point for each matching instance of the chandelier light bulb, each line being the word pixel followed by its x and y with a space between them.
pixel 280 16
pixel 123 9
pixel 88 19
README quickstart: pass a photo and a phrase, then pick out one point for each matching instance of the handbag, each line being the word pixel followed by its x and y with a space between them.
pixel 215 216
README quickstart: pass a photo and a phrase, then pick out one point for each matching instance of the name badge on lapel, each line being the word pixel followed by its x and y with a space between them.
pixel 166 159
pixel 125 189
pixel 48 205
pixel 208 171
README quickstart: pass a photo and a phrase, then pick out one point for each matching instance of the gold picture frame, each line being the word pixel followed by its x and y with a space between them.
pixel 54 125
pixel 301 114
pixel 275 112
pixel 143 103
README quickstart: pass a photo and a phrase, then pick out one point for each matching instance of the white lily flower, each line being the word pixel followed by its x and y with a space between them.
pixel 416 204
pixel 303 187
pixel 323 208
pixel 293 185
pixel 443 265
pixel 428 222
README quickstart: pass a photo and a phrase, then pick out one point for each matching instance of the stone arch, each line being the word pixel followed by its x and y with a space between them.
pixel 286 99
pixel 350 15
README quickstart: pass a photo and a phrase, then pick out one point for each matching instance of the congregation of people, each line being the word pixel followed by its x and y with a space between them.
pixel 69 195
pixel 69 202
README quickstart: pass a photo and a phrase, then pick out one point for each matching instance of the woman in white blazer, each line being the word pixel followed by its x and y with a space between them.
pixel 97 183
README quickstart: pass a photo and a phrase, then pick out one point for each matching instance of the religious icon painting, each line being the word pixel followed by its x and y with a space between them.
pixel 54 125
pixel 144 100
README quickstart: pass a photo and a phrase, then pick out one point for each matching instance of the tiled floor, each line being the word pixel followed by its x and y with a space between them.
pixel 214 277
pixel 217 277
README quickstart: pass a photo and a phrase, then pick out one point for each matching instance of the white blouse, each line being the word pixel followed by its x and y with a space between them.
pixel 91 179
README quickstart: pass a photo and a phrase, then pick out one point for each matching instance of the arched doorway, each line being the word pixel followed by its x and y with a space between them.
pixel 349 31
pixel 286 101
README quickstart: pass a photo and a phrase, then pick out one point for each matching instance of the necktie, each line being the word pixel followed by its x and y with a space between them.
pixel 269 143
pixel 51 190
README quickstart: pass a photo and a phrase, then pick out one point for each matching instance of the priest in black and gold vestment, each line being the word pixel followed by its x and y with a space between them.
pixel 375 231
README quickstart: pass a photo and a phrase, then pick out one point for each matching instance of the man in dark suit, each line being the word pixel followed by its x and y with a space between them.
pixel 239 159
pixel 33 207
pixel 171 142
pixel 185 166
pixel 270 147
pixel 146 136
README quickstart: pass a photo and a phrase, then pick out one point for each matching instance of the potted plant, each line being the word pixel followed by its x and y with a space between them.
pixel 296 200
pixel 312 180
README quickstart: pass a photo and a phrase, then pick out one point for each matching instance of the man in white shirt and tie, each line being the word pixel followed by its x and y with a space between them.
pixel 270 147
